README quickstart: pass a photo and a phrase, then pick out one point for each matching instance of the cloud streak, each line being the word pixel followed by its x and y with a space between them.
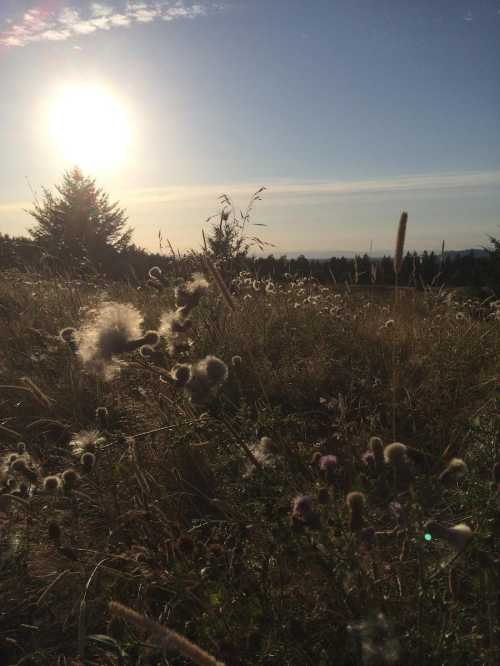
pixel 446 182
pixel 38 25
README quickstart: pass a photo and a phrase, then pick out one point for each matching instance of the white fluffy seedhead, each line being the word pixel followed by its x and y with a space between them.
pixel 107 334
pixel 395 454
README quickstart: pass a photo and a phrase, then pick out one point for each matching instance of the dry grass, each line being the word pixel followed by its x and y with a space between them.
pixel 185 520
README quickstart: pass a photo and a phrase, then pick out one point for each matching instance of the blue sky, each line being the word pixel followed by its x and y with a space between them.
pixel 348 111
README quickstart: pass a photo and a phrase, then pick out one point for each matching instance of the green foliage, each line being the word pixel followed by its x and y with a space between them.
pixel 78 224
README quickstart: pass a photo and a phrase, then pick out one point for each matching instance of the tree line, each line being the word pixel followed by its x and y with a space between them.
pixel 78 232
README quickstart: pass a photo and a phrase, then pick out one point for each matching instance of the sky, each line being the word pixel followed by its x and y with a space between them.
pixel 347 111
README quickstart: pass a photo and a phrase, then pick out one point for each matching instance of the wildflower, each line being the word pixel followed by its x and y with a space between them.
pixel 155 273
pixel 51 484
pixel 87 461
pixel 303 511
pixel 456 469
pixel 115 330
pixel 70 478
pixel 20 466
pixel 396 456
pixel 86 441
pixel 206 376
pixel 355 503
pixel 457 536
pixel 101 414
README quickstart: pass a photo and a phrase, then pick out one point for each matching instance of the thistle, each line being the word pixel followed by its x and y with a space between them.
pixel 457 536
pixel 302 509
pixel 115 330
pixel 456 469
pixel 396 456
pixel 86 441
pixel 189 294
pixel 68 336
pixel 101 415
pixel 87 461
pixel 355 503
pixel 70 478
pixel 51 484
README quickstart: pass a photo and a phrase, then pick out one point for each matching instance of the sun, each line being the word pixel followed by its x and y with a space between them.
pixel 90 126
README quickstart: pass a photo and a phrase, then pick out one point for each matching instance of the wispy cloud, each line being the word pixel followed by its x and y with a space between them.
pixel 39 25
pixel 446 182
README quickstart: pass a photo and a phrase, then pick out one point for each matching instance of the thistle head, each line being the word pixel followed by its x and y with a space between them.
pixel 215 370
pixel 70 478
pixel 151 338
pixel 87 461
pixel 51 484
pixel 155 272
pixel 86 441
pixel 101 415
pixel 457 536
pixel 395 454
pixel 181 373
pixel 68 336
pixel 456 469
pixel 190 293
pixel 355 502
pixel 376 446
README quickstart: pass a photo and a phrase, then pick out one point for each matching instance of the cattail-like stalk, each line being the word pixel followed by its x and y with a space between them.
pixel 167 638
pixel 457 536
pixel 355 503
pixel 400 243
pixel 456 469
pixel 214 272
pixel 395 455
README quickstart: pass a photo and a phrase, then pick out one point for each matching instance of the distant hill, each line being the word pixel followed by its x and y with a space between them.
pixel 376 254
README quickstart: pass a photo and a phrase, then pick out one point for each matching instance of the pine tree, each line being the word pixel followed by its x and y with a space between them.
pixel 78 224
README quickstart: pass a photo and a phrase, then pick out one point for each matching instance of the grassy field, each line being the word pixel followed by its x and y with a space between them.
pixel 257 514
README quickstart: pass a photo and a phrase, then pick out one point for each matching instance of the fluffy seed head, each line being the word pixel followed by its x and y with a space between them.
pixel 70 478
pixel 180 373
pixel 355 503
pixel 155 272
pixel 51 484
pixel 216 370
pixel 68 335
pixel 457 536
pixel 190 293
pixel 109 333
pixel 395 454
pixel 456 469
pixel 86 441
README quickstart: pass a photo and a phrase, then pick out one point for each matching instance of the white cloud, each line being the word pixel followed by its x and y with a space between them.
pixel 99 9
pixel 37 25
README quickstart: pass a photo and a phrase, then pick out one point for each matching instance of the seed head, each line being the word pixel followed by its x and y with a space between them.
pixel 155 272
pixel 236 361
pixel 180 373
pixel 151 338
pixel 88 461
pixel 51 484
pixel 216 370
pixel 355 503
pixel 395 454
pixel 190 293
pixel 70 478
pixel 456 469
pixel 113 331
pixel 101 414
pixel 21 466
pixel 68 336
pixel 21 448
pixel 376 446
pixel 457 536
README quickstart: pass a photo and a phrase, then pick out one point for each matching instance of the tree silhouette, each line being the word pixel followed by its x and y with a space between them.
pixel 78 224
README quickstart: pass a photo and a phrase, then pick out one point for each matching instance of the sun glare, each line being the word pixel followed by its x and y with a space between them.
pixel 90 126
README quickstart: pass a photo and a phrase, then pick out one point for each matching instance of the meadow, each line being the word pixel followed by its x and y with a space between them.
pixel 283 473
